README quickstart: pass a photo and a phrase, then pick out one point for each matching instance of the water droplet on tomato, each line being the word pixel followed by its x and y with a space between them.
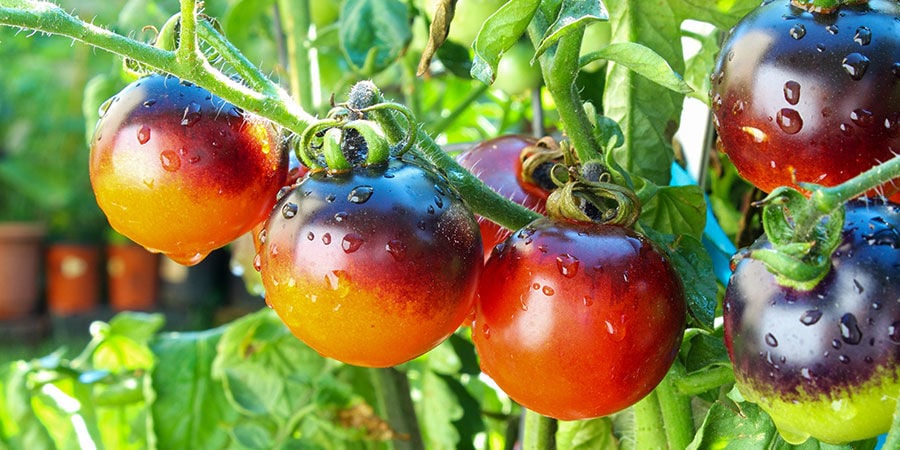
pixel 340 216
pixel 257 262
pixel 587 300
pixel 486 331
pixel 895 69
pixel 282 192
pixel 770 340
pixel 310 236
pixel 892 124
pixel 858 287
pixel 846 129
pixel 567 265
pixel 850 331
pixel 360 194
pixel 820 47
pixel 894 332
pixel 862 117
pixel 326 238
pixel 810 317
pixel 738 107
pixel 863 36
pixel 806 373
pixel 149 103
pixel 548 291
pixel 104 107
pixel 836 344
pixel 262 236
pixel 170 161
pixel 438 202
pixel 844 359
pixel 397 249
pixel 855 65
pixel 523 303
pixel 289 210
pixel 186 259
pixel 789 121
pixel 792 92
pixel 832 29
pixel 143 135
pixel 351 242
pixel 798 31
pixel 191 114
pixel 330 198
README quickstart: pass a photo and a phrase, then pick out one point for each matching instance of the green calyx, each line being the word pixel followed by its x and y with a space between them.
pixel 355 135
pixel 804 232
pixel 824 6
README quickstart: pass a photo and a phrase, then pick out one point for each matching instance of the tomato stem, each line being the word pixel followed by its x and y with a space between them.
pixel 295 20
pixel 675 408
pixel 696 383
pixel 649 425
pixel 540 432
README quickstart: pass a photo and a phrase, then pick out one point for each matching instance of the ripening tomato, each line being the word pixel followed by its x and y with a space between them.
pixel 578 320
pixel 180 171
pixel 374 266
pixel 813 97
pixel 824 363
pixel 498 163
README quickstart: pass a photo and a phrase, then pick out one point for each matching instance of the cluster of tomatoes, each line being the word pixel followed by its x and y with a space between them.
pixel 377 264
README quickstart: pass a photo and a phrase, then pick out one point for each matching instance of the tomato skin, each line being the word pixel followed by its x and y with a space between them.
pixel 824 363
pixel 576 321
pixel 498 164
pixel 180 171
pixel 811 96
pixel 372 267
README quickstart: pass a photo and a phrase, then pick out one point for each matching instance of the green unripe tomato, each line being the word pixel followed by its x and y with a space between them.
pixel 515 74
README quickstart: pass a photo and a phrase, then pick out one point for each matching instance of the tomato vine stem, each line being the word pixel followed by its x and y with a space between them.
pixel 295 21
pixel 540 432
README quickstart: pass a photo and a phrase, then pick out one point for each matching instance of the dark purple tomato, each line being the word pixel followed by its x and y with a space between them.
pixel 374 266
pixel 180 171
pixel 575 321
pixel 810 97
pixel 824 362
pixel 498 163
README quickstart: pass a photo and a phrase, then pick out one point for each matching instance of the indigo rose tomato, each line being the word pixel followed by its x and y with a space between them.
pixel 810 97
pixel 180 171
pixel 374 266
pixel 826 362
pixel 575 321
pixel 497 162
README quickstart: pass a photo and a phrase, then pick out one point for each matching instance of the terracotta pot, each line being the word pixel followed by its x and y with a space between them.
pixel 133 274
pixel 73 278
pixel 20 268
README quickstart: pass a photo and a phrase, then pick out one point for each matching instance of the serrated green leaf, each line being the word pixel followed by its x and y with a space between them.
pixel 499 33
pixel 694 266
pixel 437 410
pixel 374 33
pixel 586 435
pixel 642 60
pixel 572 15
pixel 140 327
pixel 673 209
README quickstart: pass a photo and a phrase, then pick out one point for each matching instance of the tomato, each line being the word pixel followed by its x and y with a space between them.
pixel 575 321
pixel 515 73
pixel 814 97
pixel 498 163
pixel 468 18
pixel 180 171
pixel 826 362
pixel 372 267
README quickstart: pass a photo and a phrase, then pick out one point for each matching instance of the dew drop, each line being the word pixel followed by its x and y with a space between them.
pixel 289 210
pixel 438 201
pixel 143 135
pixel 523 303
pixel 104 107
pixel 863 36
pixel 351 242
pixel 789 121
pixel 397 249
pixel 798 31
pixel 430 209
pixel 587 300
pixel 360 194
pixel 170 161
pixel 191 114
pixel 548 291
pixel 310 236
pixel 262 236
pixel 738 107
pixel 340 216
pixel 862 117
pixel 858 287
pixel 836 344
pixel 820 47
pixel 892 124
pixel 806 373
pixel 832 29
pixel 149 103
pixel 330 198
pixel 567 265
pixel 257 262
pixel 486 331
pixel 844 359
pixel 855 65
pixel 894 332
pixel 846 129
pixel 895 69
pixel 282 192
pixel 810 317
pixel 770 340
pixel 536 286
pixel 792 92
pixel 326 238
pixel 850 331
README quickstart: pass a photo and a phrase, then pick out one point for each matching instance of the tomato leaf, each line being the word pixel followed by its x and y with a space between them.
pixel 501 30
pixel 586 434
pixel 573 15
pixel 437 411
pixel 374 33
pixel 184 363
pixel 643 61
pixel 673 209
pixel 19 426
pixel 693 264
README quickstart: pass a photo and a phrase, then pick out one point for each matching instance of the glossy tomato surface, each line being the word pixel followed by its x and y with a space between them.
pixel 811 97
pixel 498 163
pixel 578 321
pixel 372 267
pixel 824 363
pixel 180 171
